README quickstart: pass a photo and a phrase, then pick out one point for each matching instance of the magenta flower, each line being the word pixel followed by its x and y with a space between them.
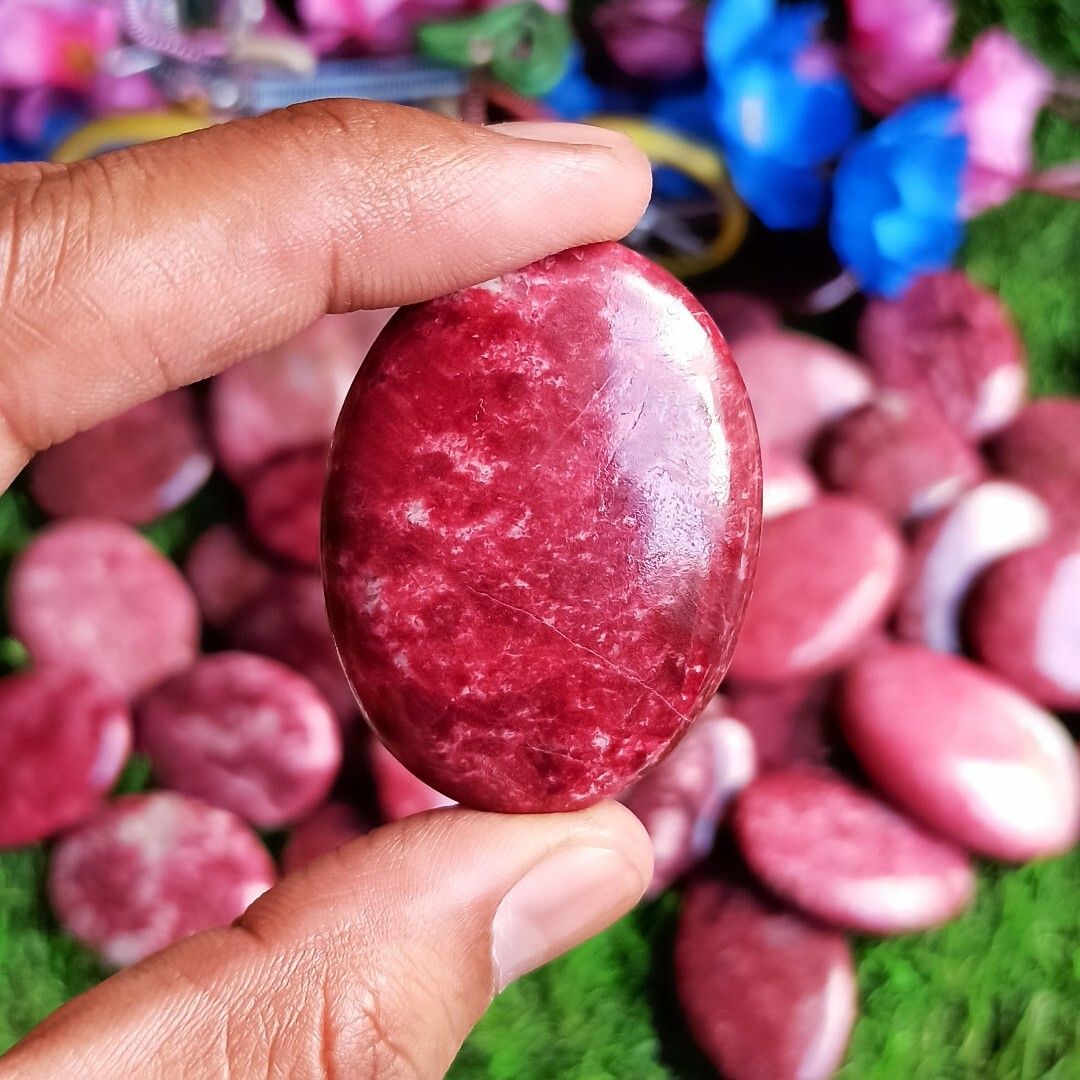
pixel 897 49
pixel 1001 88
pixel 378 26
pixel 652 39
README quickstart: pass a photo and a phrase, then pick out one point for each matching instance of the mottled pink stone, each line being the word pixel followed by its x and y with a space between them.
pixel 399 793
pixel 283 499
pixel 964 752
pixel 324 830
pixel 540 529
pixel 843 856
pixel 737 314
pixel 224 573
pixel 787 721
pixel 64 737
pixel 767 994
pixel 147 870
pixel 787 482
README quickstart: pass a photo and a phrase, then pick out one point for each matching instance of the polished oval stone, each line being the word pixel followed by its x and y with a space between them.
pixel 399 793
pixel 766 994
pixel 787 721
pixel 827 575
pixel 952 342
pixel 963 752
pixel 787 482
pixel 737 314
pixel 283 499
pixel 1024 621
pixel 224 573
pixel 681 800
pixel 324 830
pixel 950 550
pixel 899 455
pixel 540 527
pixel 844 856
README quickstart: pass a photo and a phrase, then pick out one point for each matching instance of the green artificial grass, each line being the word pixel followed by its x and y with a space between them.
pixel 995 994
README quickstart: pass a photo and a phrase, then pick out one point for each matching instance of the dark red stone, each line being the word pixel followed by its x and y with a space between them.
pixel 766 994
pixel 398 792
pixel 64 737
pixel 787 721
pixel 283 499
pixel 289 397
pixel 737 314
pixel 134 467
pixel 1024 621
pixel 798 384
pixel 843 856
pixel 96 595
pixel 950 550
pixel 242 732
pixel 899 455
pixel 826 577
pixel 952 342
pixel 224 574
pixel 148 870
pixel 963 752
pixel 540 527
pixel 681 800
pixel 322 831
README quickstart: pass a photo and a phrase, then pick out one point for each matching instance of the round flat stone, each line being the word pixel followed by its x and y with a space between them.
pixel 399 793
pixel 324 830
pixel 738 313
pixel 787 721
pixel 787 482
pixel 540 528
pixel 224 573
pixel 843 856
pixel 1024 621
pixel 827 575
pixel 951 549
pixel 963 752
pixel 766 994
pixel 283 498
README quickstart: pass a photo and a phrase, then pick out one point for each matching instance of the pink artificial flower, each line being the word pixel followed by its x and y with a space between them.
pixel 897 49
pixel 376 26
pixel 54 43
pixel 653 39
pixel 123 93
pixel 1001 88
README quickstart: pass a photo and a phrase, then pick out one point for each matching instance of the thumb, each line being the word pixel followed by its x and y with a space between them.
pixel 375 960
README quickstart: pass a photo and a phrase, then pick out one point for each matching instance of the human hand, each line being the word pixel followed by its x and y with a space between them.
pixel 137 272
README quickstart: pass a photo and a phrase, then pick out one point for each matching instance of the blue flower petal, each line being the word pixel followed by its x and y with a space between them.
pixel 730 25
pixel 690 114
pixel 783 197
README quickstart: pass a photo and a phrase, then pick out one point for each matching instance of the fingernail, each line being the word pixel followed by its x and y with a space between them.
pixel 564 899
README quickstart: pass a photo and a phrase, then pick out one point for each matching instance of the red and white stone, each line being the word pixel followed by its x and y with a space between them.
pixel 766 994
pixel 540 528
pixel 949 551
pixel 289 397
pixel 148 870
pixel 398 792
pixel 787 721
pixel 899 455
pixel 738 314
pixel 324 830
pixel 963 752
pixel 64 738
pixel 283 498
pixel 826 577
pixel 952 342
pixel 798 384
pixel 682 800
pixel 97 595
pixel 845 857
pixel 245 733
pixel 224 573
pixel 1024 621
pixel 134 467
pixel 787 482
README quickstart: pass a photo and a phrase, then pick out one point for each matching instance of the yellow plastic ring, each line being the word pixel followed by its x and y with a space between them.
pixel 128 129
pixel 703 165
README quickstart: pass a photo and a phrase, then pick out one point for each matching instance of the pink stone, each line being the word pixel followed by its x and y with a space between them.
pixel 287 621
pixel 899 455
pixel 738 314
pixel 964 752
pixel 289 397
pixel 283 499
pixel 953 342
pixel 224 574
pixel 96 595
pixel 787 721
pixel 950 550
pixel 798 384
pixel 843 856
pixel 242 732
pixel 540 528
pixel 1024 621
pixel 324 830
pixel 134 467
pixel 787 483
pixel 766 994
pixel 681 800
pixel 826 578
pixel 148 870
pixel 64 737
pixel 399 793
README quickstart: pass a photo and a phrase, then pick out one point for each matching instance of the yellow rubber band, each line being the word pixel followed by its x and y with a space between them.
pixel 127 129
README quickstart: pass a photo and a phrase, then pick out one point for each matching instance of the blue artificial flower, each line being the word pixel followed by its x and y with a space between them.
pixel 896 196
pixel 781 107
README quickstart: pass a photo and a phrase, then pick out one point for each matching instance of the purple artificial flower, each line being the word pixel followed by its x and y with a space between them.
pixel 652 39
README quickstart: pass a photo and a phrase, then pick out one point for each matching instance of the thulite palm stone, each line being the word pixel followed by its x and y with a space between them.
pixel 540 529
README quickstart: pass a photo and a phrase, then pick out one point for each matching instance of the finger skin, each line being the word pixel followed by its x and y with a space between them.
pixel 372 961
pixel 141 270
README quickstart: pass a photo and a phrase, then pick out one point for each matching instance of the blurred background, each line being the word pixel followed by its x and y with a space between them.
pixel 876 202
